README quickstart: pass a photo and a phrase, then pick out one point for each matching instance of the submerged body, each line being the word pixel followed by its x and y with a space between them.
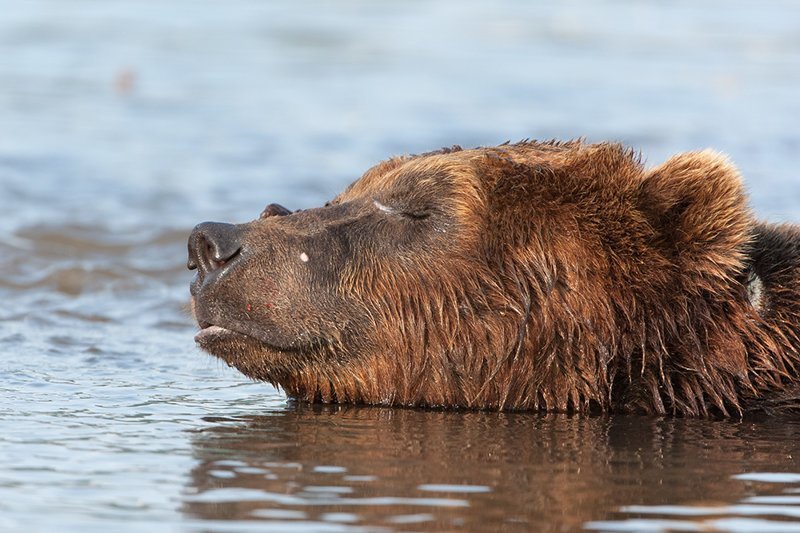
pixel 557 276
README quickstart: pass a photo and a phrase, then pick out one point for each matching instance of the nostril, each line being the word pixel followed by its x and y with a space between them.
pixel 212 245
pixel 217 255
pixel 209 254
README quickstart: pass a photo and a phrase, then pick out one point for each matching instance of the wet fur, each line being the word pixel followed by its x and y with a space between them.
pixel 574 279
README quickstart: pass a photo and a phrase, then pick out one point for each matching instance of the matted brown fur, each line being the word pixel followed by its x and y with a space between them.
pixel 546 276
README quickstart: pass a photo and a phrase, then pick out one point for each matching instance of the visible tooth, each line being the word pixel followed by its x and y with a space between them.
pixel 303 257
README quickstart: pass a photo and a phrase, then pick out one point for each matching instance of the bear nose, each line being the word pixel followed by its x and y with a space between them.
pixel 212 245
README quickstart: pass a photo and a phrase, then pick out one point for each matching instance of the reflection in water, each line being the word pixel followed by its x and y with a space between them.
pixel 401 469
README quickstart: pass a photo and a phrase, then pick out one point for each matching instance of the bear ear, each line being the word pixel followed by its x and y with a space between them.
pixel 697 207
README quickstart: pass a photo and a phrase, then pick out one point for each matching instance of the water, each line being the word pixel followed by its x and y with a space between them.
pixel 125 123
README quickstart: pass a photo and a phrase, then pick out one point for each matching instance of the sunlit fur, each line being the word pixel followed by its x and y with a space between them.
pixel 559 276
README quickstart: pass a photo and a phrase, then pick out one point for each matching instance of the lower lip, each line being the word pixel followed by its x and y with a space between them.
pixel 210 331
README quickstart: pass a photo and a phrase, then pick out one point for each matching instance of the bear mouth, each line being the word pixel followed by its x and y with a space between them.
pixel 211 330
pixel 212 337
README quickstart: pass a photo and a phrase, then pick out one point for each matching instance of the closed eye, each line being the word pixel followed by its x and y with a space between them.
pixel 416 215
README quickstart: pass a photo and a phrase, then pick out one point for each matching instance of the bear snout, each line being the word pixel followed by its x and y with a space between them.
pixel 213 247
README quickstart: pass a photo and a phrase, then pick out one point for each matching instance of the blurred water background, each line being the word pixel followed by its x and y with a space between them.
pixel 123 124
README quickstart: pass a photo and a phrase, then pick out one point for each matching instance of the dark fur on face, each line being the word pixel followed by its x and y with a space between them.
pixel 547 276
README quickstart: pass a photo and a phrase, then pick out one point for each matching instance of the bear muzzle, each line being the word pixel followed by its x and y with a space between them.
pixel 213 246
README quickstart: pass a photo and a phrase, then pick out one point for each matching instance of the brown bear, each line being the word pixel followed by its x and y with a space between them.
pixel 538 275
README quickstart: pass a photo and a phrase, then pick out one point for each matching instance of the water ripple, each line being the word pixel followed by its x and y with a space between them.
pixel 737 517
